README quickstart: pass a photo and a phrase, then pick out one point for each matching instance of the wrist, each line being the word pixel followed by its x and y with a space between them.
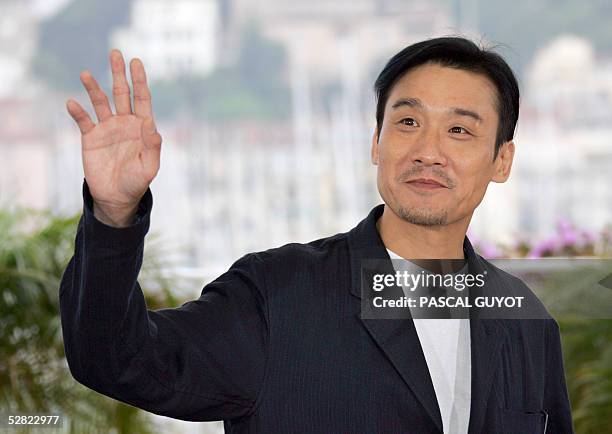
pixel 115 217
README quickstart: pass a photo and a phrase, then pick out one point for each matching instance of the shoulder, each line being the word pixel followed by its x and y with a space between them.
pixel 282 263
pixel 295 254
pixel 298 267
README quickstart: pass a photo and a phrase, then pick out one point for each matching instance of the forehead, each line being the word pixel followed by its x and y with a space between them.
pixel 440 88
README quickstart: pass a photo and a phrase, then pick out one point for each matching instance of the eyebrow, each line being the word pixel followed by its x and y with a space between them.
pixel 410 102
pixel 417 103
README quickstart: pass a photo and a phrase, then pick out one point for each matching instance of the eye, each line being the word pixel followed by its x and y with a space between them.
pixel 409 122
pixel 458 130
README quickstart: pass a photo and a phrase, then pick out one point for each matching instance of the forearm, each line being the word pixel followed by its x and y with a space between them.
pixel 111 341
pixel 99 291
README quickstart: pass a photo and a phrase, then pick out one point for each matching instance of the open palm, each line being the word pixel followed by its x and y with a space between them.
pixel 121 153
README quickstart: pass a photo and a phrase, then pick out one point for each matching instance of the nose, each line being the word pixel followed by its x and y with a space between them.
pixel 428 150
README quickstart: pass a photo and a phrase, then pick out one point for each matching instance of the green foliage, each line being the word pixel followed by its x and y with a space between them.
pixel 34 377
pixel 587 349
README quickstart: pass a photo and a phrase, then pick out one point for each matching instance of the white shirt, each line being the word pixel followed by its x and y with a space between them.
pixel 446 346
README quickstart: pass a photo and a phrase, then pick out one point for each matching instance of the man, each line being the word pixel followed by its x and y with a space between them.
pixel 278 343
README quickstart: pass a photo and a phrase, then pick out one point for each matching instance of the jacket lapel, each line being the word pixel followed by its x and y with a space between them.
pixel 397 338
pixel 399 341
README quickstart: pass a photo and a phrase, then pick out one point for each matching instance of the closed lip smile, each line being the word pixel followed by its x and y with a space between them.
pixel 426 183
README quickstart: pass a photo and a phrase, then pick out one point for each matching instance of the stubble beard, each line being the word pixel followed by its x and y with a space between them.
pixel 422 217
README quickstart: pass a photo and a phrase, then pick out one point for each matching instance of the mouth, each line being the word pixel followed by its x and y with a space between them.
pixel 426 184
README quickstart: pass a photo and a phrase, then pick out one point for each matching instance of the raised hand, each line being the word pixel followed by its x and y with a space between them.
pixel 121 153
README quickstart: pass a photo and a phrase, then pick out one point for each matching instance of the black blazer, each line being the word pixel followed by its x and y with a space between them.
pixel 276 343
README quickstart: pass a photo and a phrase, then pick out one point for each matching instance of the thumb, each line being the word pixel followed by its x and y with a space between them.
pixel 149 133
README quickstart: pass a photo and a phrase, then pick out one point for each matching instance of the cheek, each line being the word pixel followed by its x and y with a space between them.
pixel 389 158
pixel 394 148
pixel 385 173
pixel 474 174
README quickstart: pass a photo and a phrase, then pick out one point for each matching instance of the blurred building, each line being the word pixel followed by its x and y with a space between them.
pixel 18 35
pixel 172 37
pixel 224 190
pixel 24 154
pixel 320 33
pixel 564 153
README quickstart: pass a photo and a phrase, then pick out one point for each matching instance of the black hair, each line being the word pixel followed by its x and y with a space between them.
pixel 460 53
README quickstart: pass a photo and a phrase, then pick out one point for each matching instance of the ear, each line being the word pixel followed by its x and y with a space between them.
pixel 503 162
pixel 374 151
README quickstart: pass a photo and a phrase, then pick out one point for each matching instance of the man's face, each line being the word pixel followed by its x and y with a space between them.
pixel 440 124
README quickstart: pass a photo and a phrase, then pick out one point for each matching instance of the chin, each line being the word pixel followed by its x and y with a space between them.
pixel 422 216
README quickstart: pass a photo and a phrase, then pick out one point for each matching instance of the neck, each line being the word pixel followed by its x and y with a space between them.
pixel 412 241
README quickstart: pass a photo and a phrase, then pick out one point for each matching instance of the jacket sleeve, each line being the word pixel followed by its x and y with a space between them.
pixel 204 360
pixel 556 398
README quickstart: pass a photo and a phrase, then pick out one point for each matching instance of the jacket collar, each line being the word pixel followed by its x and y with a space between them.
pixel 399 340
pixel 365 243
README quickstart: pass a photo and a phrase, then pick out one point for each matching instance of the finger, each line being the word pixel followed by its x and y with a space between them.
pixel 98 98
pixel 121 89
pixel 151 137
pixel 142 94
pixel 81 117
